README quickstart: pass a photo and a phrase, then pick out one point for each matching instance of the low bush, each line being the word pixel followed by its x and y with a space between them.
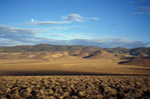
pixel 75 87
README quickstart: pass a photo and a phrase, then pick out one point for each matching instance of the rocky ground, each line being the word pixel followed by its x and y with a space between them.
pixel 75 87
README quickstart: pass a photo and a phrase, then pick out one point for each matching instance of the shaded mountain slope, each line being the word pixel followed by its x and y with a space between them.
pixel 117 50
pixel 140 61
pixel 101 54
pixel 138 51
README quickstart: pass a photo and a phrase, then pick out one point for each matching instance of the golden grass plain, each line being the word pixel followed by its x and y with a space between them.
pixel 69 66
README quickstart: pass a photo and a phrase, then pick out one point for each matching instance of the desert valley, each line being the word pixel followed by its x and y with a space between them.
pixel 44 59
pixel 74 72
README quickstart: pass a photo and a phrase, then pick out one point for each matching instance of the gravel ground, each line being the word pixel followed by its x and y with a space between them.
pixel 75 87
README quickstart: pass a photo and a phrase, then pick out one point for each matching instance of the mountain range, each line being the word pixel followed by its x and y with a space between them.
pixel 141 51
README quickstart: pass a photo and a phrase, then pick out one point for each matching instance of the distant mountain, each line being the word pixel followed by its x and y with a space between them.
pixel 75 49
pixel 47 47
pixel 35 55
pixel 101 54
pixel 139 51
pixel 137 61
pixel 117 50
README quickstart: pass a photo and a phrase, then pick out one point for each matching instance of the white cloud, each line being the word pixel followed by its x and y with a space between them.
pixel 65 20
pixel 139 1
pixel 60 35
pixel 146 8
pixel 6 30
pixel 77 18
pixel 15 34
pixel 10 36
pixel 139 13
pixel 74 17
pixel 143 10
pixel 47 22
pixel 69 36
pixel 93 18
pixel 110 43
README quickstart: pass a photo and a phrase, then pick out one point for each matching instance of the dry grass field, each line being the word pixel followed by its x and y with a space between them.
pixel 69 66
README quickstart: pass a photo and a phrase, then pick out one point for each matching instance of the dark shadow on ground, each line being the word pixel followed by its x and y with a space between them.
pixel 61 73
pixel 143 69
pixel 123 62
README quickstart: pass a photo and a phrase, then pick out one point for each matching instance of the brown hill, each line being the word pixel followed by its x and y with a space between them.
pixel 34 55
pixel 117 50
pixel 138 51
pixel 74 53
pixel 75 50
pixel 101 54
pixel 47 47
pixel 60 54
pixel 138 61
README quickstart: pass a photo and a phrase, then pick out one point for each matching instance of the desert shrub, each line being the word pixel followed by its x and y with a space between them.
pixel 75 87
pixel 15 96
pixel 74 97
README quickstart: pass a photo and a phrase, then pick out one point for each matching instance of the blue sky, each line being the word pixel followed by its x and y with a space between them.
pixel 103 23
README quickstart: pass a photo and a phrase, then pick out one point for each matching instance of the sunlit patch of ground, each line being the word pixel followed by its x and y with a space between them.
pixel 69 66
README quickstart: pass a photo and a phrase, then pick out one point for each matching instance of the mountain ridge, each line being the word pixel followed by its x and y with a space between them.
pixel 54 48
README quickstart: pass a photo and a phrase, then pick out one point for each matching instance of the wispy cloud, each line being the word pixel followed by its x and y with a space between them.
pixel 47 22
pixel 74 35
pixel 63 27
pixel 74 17
pixel 11 31
pixel 138 13
pixel 16 34
pixel 143 10
pixel 10 36
pixel 110 43
pixel 112 25
pixel 93 18
pixel 139 1
pixel 60 35
pixel 77 18
pixel 65 20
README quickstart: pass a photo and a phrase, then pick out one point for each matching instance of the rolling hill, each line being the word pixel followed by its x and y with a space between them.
pixel 138 61
pixel 101 54
pixel 47 47
pixel 139 51
pixel 75 50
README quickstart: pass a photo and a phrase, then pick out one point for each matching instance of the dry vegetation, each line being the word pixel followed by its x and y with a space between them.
pixel 75 87
pixel 68 66
pixel 15 85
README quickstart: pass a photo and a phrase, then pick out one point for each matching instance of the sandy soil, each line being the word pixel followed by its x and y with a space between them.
pixel 69 66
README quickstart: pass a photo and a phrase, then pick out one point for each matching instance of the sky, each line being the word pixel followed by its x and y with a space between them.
pixel 103 23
